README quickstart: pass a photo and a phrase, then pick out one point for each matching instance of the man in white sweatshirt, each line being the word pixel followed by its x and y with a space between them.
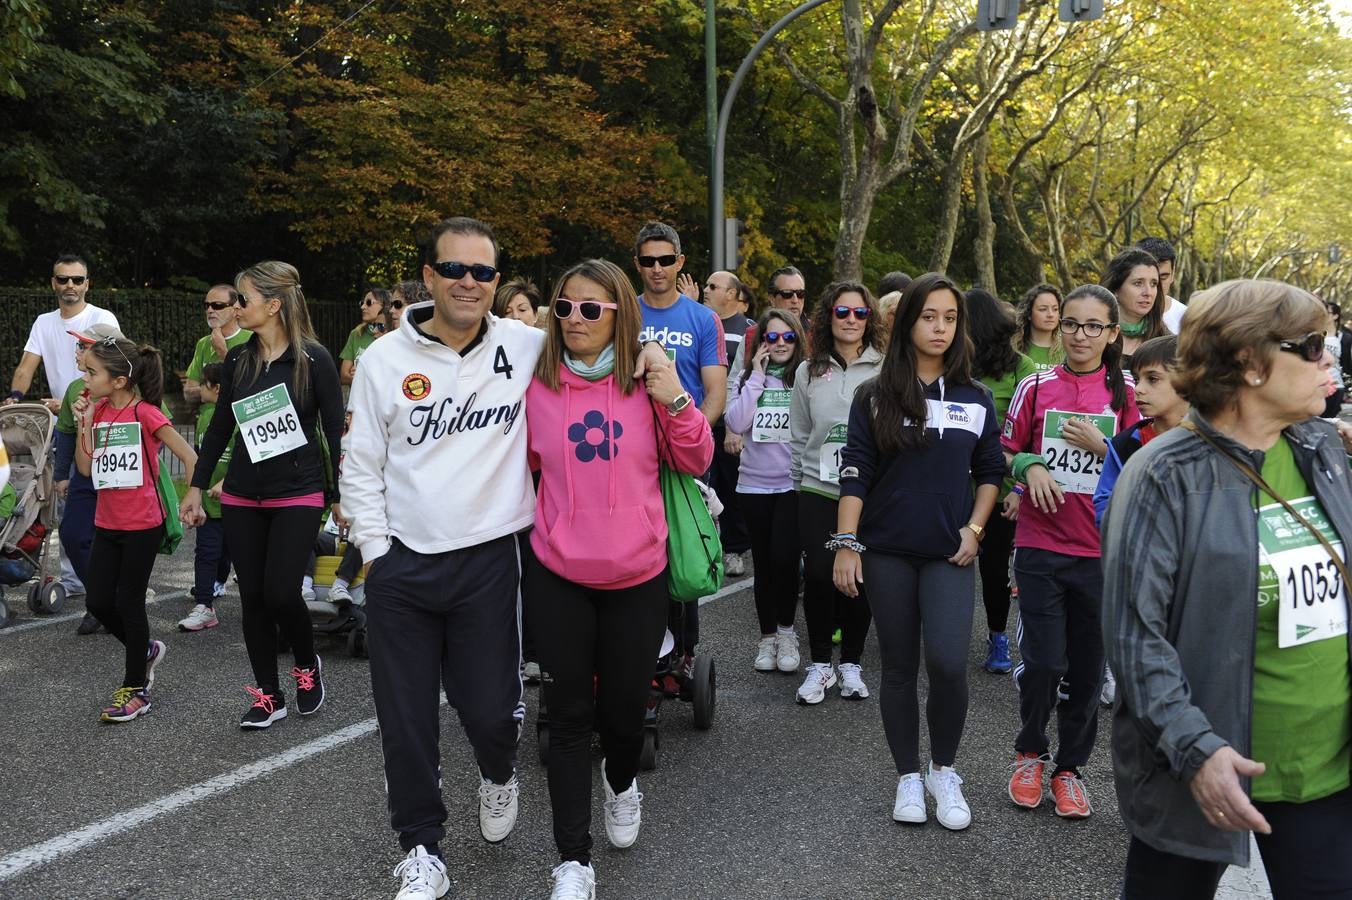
pixel 435 485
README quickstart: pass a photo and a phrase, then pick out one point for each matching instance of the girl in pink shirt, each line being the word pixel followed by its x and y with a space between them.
pixel 121 428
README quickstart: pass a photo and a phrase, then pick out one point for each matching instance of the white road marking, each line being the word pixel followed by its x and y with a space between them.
pixel 731 587
pixel 71 617
pixel 62 845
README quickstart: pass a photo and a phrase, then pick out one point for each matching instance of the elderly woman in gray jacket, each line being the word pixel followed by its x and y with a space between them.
pixel 1225 612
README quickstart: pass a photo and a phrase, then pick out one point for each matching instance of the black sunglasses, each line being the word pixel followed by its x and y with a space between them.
pixel 396 304
pixel 647 262
pixel 1310 348
pixel 69 279
pixel 456 270
pixel 774 337
pixel 860 312
pixel 590 309
pixel 217 305
pixel 786 294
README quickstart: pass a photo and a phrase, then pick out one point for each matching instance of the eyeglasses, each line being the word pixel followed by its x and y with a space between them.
pixel 1309 348
pixel 454 271
pixel 590 309
pixel 774 337
pixel 786 294
pixel 1091 329
pixel 217 305
pixel 860 312
pixel 69 279
pixel 647 262
pixel 396 304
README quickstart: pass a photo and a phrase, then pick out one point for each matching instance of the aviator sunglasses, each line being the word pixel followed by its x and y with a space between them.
pixel 590 309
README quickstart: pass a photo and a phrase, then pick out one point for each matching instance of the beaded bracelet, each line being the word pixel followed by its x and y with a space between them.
pixel 1018 489
pixel 844 542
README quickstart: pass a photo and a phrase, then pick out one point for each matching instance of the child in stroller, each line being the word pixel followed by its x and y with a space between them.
pixel 28 507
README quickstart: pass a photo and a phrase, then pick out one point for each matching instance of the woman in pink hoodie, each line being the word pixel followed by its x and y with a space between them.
pixel 597 586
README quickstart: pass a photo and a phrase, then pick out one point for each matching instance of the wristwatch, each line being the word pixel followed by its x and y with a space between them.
pixel 978 530
pixel 679 403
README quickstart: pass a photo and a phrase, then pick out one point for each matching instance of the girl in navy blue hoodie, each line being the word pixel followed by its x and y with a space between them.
pixel 919 435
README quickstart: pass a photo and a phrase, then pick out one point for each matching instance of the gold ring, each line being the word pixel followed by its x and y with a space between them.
pixel 1219 814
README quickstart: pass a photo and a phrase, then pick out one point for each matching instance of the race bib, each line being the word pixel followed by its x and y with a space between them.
pixel 119 462
pixel 1295 572
pixel 830 455
pixel 1075 469
pixel 268 423
pixel 771 425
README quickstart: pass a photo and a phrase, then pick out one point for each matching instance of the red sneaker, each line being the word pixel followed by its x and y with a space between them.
pixel 1071 800
pixel 1025 784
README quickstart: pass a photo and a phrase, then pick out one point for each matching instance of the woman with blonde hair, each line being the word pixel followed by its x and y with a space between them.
pixel 281 391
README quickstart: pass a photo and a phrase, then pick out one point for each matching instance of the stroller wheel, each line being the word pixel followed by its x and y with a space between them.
pixel 704 691
pixel 49 598
pixel 33 598
pixel 647 759
pixel 356 642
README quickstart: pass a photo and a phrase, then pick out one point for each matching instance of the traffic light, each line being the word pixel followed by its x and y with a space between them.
pixel 1081 10
pixel 733 229
pixel 994 15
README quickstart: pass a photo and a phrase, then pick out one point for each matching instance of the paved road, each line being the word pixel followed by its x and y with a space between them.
pixel 777 801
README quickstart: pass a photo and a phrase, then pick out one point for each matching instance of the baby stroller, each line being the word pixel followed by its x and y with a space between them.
pixel 28 430
pixel 698 687
pixel 338 620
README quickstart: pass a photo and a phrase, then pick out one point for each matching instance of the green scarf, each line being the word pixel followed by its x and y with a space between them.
pixel 1133 330
pixel 604 365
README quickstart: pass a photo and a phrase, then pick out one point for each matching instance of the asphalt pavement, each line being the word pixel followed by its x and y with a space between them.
pixel 776 801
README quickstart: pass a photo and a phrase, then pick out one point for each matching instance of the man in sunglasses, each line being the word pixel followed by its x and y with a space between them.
pixel 723 294
pixel 221 307
pixel 788 290
pixel 49 340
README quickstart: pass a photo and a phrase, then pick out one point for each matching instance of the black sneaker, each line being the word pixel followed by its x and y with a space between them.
pixel 89 624
pixel 267 708
pixel 309 687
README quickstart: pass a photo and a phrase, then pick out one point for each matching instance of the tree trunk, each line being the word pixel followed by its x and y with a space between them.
pixel 983 250
pixel 856 209
pixel 951 190
pixel 1051 208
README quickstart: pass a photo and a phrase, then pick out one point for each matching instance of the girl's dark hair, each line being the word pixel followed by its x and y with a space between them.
pixel 823 344
pixel 140 365
pixel 1113 378
pixel 991 328
pixel 211 373
pixel 1119 270
pixel 895 398
pixel 1023 337
pixel 753 343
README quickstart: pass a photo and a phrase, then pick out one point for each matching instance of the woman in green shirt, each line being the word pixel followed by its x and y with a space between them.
pixel 1039 315
pixel 372 326
pixel 1226 611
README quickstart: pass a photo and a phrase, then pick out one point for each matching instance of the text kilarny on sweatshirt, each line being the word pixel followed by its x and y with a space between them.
pixel 440 419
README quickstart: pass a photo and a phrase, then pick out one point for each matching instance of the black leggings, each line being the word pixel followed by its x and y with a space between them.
pixel 597 668
pixel 823 605
pixel 911 598
pixel 120 563
pixel 994 562
pixel 270 548
pixel 772 520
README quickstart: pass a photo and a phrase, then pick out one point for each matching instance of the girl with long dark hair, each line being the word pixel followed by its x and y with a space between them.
pixel 1036 337
pixel 1134 278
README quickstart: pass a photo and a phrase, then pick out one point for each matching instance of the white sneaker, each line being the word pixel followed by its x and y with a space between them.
pixel 339 594
pixel 821 677
pixel 910 805
pixel 497 808
pixel 201 617
pixel 1109 691
pixel 786 651
pixel 950 808
pixel 423 876
pixel 530 672
pixel 624 812
pixel 733 564
pixel 307 593
pixel 573 881
pixel 766 654
pixel 852 685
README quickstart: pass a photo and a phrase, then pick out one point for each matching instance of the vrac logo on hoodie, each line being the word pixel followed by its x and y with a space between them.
pixel 437 420
pixel 667 337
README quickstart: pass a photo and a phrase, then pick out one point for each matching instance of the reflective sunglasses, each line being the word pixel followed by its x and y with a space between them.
pixel 112 342
pixel 860 312
pixel 1091 329
pixel 590 309
pixel 69 279
pixel 786 294
pixel 774 337
pixel 454 271
pixel 217 305
pixel 1309 348
pixel 647 262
